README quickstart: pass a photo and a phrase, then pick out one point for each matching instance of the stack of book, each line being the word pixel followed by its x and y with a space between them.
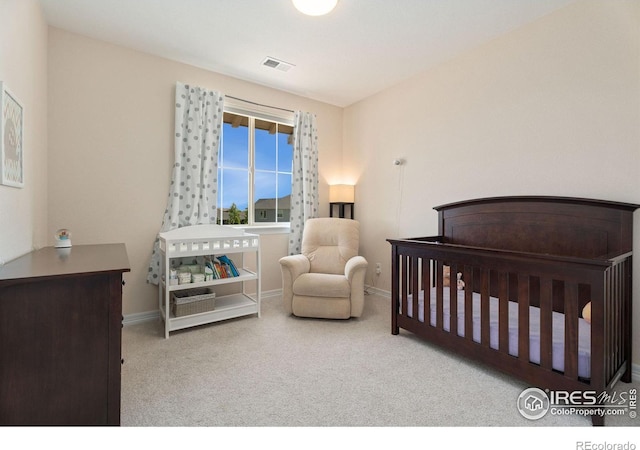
pixel 221 267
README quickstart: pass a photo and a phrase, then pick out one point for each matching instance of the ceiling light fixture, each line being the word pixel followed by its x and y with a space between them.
pixel 315 7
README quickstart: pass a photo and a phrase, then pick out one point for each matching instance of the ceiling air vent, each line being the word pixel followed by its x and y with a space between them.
pixel 276 64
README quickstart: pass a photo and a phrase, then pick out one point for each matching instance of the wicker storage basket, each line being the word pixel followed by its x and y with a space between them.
pixel 192 301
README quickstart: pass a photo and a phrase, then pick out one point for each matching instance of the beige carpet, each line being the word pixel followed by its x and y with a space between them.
pixel 282 371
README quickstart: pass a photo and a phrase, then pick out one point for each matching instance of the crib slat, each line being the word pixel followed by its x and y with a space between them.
pixel 453 300
pixel 626 309
pixel 614 323
pixel 404 288
pixel 610 322
pixel 523 317
pixel 468 303
pixel 503 312
pixel 485 304
pixel 571 330
pixel 609 288
pixel 620 347
pixel 414 287
pixel 546 323
pixel 439 294
pixel 600 292
pixel 395 290
pixel 426 286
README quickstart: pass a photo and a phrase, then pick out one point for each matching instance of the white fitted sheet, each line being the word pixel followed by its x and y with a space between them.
pixel 584 329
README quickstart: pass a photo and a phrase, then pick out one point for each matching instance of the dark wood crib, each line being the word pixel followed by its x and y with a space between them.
pixel 529 266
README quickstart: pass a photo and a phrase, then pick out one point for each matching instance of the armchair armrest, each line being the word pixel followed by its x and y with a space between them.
pixel 295 264
pixel 292 267
pixel 355 270
pixel 353 266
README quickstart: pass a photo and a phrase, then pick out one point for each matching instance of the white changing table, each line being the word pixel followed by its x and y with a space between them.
pixel 203 240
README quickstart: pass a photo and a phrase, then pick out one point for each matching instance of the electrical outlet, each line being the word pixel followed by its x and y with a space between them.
pixel 378 268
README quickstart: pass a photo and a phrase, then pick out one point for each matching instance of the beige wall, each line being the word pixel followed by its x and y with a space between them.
pixel 552 108
pixel 111 148
pixel 23 67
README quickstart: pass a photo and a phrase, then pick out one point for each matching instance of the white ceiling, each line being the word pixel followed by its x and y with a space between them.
pixel 361 48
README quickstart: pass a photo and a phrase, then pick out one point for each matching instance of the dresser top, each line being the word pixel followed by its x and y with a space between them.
pixel 77 260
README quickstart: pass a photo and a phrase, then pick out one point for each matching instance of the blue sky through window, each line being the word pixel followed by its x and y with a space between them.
pixel 273 163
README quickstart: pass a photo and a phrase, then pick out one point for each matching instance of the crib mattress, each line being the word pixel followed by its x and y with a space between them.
pixel 584 328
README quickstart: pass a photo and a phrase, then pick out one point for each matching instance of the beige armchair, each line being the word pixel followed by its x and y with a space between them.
pixel 327 279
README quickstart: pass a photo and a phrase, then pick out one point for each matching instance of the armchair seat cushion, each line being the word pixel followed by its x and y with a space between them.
pixel 322 284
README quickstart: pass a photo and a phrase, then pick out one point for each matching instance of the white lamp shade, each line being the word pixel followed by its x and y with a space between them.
pixel 315 7
pixel 341 193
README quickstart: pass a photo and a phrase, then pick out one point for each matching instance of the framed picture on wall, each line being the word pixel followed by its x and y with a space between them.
pixel 11 138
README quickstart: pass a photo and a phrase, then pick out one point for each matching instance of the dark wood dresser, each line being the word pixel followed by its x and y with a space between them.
pixel 60 336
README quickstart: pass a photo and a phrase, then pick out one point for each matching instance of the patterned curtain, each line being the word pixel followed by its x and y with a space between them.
pixel 304 187
pixel 193 191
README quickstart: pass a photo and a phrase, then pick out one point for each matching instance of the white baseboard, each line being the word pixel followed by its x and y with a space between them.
pixel 273 293
pixel 136 318
pixel 377 291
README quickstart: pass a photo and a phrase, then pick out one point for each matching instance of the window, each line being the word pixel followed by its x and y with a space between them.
pixel 254 169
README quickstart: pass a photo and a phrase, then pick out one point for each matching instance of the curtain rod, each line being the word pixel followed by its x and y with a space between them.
pixel 259 104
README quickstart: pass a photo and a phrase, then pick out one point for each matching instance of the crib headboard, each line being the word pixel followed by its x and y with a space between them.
pixel 562 226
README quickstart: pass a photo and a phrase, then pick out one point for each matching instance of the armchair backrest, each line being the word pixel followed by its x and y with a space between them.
pixel 329 243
